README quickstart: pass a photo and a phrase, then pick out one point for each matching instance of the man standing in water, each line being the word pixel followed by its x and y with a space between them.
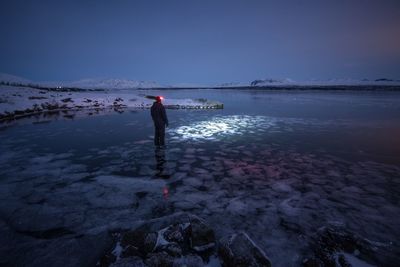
pixel 160 121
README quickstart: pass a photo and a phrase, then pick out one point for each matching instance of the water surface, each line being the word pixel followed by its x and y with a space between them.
pixel 278 165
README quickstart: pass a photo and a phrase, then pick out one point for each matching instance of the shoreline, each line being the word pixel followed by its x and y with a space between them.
pixel 18 102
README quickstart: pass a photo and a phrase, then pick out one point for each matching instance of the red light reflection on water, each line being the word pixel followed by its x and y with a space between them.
pixel 165 193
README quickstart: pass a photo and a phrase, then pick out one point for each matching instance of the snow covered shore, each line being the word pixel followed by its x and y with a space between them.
pixel 16 102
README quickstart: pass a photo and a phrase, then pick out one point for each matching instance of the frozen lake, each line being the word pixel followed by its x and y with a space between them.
pixel 278 165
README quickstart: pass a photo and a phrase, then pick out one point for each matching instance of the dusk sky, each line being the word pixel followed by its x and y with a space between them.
pixel 200 42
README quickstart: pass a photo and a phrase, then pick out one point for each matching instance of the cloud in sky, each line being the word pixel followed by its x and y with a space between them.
pixel 200 41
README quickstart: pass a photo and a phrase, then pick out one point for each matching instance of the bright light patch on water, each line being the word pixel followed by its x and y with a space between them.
pixel 222 126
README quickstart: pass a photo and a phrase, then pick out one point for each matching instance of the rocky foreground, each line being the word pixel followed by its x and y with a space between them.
pixel 181 240
pixel 186 240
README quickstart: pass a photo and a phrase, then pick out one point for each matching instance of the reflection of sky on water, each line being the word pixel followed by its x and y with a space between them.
pixel 221 126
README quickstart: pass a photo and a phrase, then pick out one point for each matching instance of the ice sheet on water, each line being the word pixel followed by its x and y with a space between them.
pixel 278 194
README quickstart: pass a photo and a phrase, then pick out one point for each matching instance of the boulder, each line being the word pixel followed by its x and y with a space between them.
pixel 159 259
pixel 138 242
pixel 238 250
pixel 129 262
pixel 150 242
pixel 174 240
pixel 129 251
pixel 201 235
pixel 173 249
pixel 336 246
pixel 133 241
pixel 174 233
pixel 189 261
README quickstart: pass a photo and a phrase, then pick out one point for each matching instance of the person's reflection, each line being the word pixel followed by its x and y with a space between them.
pixel 159 154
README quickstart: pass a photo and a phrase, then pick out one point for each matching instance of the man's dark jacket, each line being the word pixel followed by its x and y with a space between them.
pixel 159 115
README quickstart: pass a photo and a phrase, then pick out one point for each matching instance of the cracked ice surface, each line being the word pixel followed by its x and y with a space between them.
pixel 249 178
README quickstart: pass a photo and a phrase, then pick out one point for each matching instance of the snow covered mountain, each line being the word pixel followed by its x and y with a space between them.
pixel 232 84
pixel 106 84
pixel 8 78
pixel 84 83
pixel 329 82
pixel 132 84
pixel 267 82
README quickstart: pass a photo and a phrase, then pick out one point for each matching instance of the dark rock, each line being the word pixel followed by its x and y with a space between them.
pixel 106 260
pixel 201 235
pixel 150 242
pixel 37 97
pixel 129 262
pixel 163 240
pixel 173 249
pixel 330 242
pixel 238 250
pixel 174 234
pixel 312 263
pixel 189 261
pixel 130 251
pixel 69 116
pixel 135 239
pixel 160 259
pixel 343 262
pixel 66 100
pixel 52 106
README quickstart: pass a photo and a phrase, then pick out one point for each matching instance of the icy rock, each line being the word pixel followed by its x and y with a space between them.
pixel 202 236
pixel 172 240
pixel 238 250
pixel 160 259
pixel 174 234
pixel 333 242
pixel 140 239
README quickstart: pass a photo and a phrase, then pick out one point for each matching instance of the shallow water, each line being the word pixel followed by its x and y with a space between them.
pixel 278 165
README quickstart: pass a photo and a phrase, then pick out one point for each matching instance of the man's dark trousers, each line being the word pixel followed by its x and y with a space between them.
pixel 159 137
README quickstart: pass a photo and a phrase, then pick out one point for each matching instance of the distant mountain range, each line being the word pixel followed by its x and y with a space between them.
pixel 131 84
pixel 107 83
pixel 330 82
pixel 84 83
